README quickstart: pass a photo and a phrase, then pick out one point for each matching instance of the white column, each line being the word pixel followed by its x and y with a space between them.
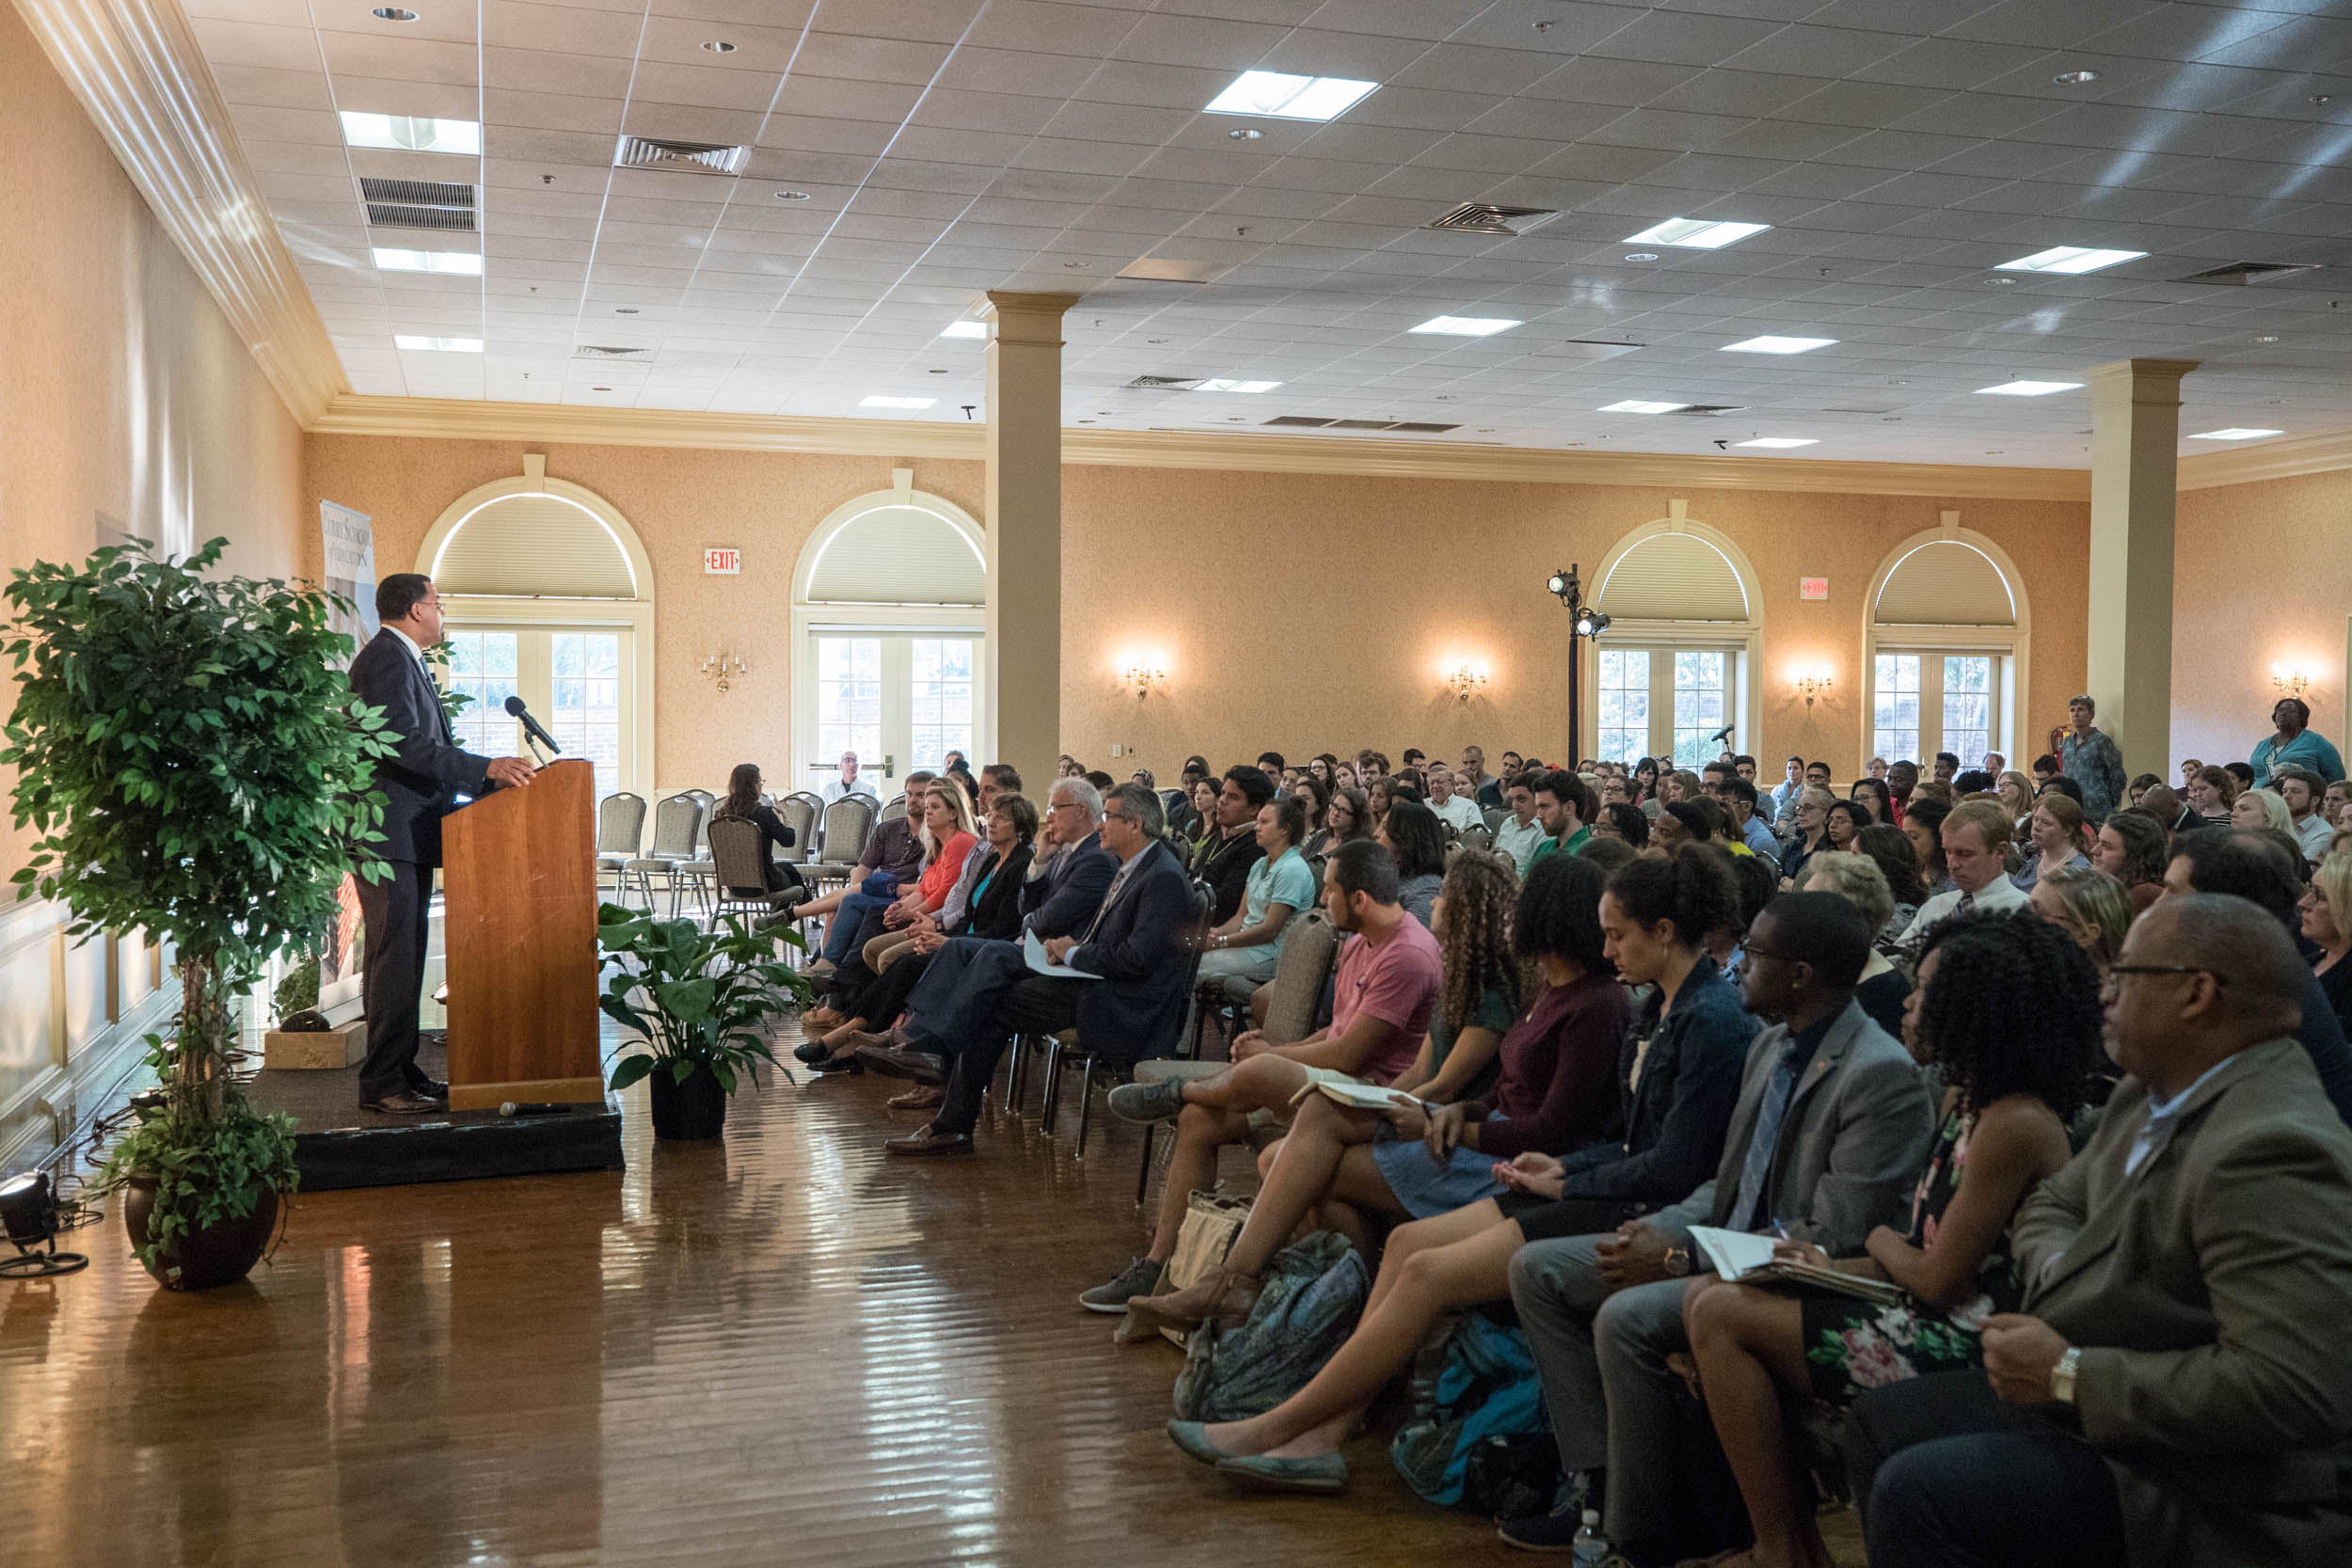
pixel 1025 533
pixel 2135 469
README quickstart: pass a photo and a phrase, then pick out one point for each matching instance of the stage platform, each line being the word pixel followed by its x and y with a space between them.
pixel 337 1145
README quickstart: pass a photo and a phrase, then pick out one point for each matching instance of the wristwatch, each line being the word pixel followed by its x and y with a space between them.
pixel 1677 1262
pixel 2062 1375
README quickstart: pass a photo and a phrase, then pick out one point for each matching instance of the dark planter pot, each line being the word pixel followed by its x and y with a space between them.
pixel 684 1112
pixel 217 1253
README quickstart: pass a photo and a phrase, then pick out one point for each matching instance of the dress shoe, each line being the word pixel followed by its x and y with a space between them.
pixel 892 1062
pixel 846 1065
pixel 822 1021
pixel 929 1139
pixel 430 1088
pixel 922 1098
pixel 812 1051
pixel 1222 1296
pixel 404 1104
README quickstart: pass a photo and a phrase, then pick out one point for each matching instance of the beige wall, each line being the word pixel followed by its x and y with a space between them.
pixel 1299 611
pixel 2261 576
pixel 125 403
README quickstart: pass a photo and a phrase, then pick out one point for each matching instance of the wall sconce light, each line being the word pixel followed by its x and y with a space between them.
pixel 1467 681
pixel 2289 680
pixel 1143 678
pixel 1812 684
pixel 724 667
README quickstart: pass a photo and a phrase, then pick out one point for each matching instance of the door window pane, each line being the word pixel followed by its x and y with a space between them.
pixel 849 699
pixel 1624 704
pixel 587 701
pixel 1967 707
pixel 1895 708
pixel 1701 701
pixel 483 665
pixel 941 699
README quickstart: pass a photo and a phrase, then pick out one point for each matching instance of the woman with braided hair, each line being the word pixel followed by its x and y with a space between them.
pixel 2007 1009
pixel 1480 980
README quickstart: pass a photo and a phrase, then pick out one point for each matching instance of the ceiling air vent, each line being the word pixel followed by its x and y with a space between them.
pixel 418 204
pixel 608 351
pixel 691 157
pixel 1484 217
pixel 2242 273
pixel 1163 384
pixel 1706 410
pixel 1301 422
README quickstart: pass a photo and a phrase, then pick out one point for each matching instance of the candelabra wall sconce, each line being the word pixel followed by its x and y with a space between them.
pixel 1465 681
pixel 1812 684
pixel 1145 678
pixel 2289 680
pixel 724 667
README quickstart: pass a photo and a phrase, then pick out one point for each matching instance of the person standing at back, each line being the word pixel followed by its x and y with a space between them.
pixel 2294 740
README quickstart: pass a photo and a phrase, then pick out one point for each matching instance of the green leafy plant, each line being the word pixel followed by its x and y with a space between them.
pixel 453 702
pixel 298 987
pixel 190 753
pixel 698 999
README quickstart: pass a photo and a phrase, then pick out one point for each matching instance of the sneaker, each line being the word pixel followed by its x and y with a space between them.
pixel 1149 1102
pixel 1542 1532
pixel 1140 1277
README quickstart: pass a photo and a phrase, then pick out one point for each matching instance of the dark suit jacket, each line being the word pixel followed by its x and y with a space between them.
pixel 1135 946
pixel 997 910
pixel 422 783
pixel 1061 899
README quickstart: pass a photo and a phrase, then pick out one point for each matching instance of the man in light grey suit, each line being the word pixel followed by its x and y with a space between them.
pixel 2176 1390
pixel 1830 1128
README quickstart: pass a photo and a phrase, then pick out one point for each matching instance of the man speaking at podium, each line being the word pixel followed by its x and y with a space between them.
pixel 421 784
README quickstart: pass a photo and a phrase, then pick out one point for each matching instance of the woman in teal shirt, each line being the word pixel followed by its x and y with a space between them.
pixel 1242 952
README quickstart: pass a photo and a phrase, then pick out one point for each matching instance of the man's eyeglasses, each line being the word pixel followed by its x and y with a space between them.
pixel 2116 971
pixel 1117 816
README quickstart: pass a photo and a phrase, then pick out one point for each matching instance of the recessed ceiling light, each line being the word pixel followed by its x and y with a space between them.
pixel 1696 233
pixel 461 264
pixel 1641 256
pixel 878 402
pixel 791 196
pixel 411 133
pixel 935 372
pixel 2074 78
pixel 1465 327
pixel 1247 132
pixel 392 13
pixel 1635 405
pixel 1075 266
pixel 437 345
pixel 2322 98
pixel 2267 337
pixel 720 46
pixel 1769 345
pixel 1779 441
pixel 600 388
pixel 2029 389
pixel 964 330
pixel 625 309
pixel 1222 386
pixel 2070 258
pixel 2002 282
pixel 2233 433
pixel 1271 92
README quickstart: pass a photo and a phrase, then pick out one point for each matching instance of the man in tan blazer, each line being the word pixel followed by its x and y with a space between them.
pixel 2178 1389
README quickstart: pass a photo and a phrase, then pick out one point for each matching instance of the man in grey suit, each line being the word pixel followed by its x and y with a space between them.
pixel 421 784
pixel 2177 1390
pixel 1832 1126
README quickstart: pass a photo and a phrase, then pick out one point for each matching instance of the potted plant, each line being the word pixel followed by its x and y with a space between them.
pixel 699 1002
pixel 188 751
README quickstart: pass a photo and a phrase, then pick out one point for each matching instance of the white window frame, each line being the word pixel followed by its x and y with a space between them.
pixel 2014 643
pixel 535 672
pixel 1930 652
pixel 1742 640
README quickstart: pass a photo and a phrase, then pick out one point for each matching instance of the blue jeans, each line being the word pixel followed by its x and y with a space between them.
pixel 841 932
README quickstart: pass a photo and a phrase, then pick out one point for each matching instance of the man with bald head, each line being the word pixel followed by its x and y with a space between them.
pixel 2176 1390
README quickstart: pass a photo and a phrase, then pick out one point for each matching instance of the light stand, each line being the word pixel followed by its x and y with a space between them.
pixel 1585 622
pixel 28 1214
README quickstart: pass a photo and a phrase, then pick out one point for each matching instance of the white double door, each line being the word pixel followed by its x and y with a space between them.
pixel 577 680
pixel 900 698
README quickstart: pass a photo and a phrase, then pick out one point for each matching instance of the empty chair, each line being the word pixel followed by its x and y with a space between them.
pixel 676 823
pixel 620 830
pixel 800 811
pixel 699 871
pixel 896 809
pixel 1494 815
pixel 1476 838
pixel 849 823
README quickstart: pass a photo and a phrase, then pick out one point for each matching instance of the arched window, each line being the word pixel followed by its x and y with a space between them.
pixel 889 615
pixel 548 596
pixel 1674 668
pixel 1946 649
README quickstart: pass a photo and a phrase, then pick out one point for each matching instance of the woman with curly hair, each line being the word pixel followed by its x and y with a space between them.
pixel 2008 1009
pixel 1898 858
pixel 1481 980
pixel 1624 821
pixel 2132 847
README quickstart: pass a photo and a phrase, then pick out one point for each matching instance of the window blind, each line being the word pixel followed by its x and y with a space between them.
pixel 1946 583
pixel 1673 576
pixel 521 546
pixel 898 555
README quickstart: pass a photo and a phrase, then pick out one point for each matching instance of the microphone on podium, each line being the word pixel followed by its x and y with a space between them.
pixel 531 727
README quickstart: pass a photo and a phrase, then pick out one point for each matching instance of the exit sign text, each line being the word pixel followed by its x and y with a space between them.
pixel 1813 588
pixel 723 563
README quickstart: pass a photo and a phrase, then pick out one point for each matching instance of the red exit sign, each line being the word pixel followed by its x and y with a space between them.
pixel 723 563
pixel 1813 588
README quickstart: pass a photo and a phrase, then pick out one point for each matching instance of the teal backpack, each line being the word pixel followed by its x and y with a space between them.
pixel 1308 1304
pixel 1479 1437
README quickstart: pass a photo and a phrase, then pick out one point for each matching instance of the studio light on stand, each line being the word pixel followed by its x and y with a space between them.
pixel 28 1216
pixel 1585 622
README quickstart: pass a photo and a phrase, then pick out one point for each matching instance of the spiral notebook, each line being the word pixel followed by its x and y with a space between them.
pixel 1747 1259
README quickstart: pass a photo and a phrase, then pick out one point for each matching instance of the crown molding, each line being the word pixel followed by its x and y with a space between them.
pixel 463 420
pixel 2305 454
pixel 136 66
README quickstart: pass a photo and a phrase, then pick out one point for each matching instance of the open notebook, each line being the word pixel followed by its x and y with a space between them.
pixel 1355 1096
pixel 1747 1257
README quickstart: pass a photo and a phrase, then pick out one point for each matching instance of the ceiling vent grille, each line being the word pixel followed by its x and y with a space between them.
pixel 1486 217
pixel 2242 273
pixel 1300 422
pixel 609 351
pixel 1706 410
pixel 1164 383
pixel 691 157
pixel 418 204
pixel 1410 427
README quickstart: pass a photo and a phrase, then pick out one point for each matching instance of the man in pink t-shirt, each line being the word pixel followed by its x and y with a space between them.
pixel 1385 987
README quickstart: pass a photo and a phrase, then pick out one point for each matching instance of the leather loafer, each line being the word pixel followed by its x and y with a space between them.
pixel 430 1088
pixel 923 1097
pixel 404 1104
pixel 891 1061
pixel 927 1139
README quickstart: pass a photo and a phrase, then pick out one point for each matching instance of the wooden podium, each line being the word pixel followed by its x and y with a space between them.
pixel 518 873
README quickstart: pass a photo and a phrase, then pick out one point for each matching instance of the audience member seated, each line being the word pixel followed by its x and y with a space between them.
pixel 1812 820
pixel 1413 836
pixel 1314 800
pixel 943 824
pixel 1564 805
pixel 892 858
pixel 1520 834
pixel 1831 1131
pixel 743 802
pixel 1782 810
pixel 2089 906
pixel 2293 741
pixel 1874 795
pixel 2326 925
pixel 1458 811
pixel 1483 789
pixel 1130 945
pixel 2211 794
pixel 1557 1093
pixel 1224 856
pixel 2016 793
pixel 2006 1013
pixel 1240 953
pixel 1345 820
pixel 1385 989
pixel 1884 990
pixel 2054 838
pixel 2131 849
pixel 1903 784
pixel 1844 824
pixel 1895 852
pixel 845 783
pixel 2175 1390
pixel 1739 801
pixel 1478 995
pixel 1623 821
pixel 1973 836
pixel 2302 791
pixel 2263 808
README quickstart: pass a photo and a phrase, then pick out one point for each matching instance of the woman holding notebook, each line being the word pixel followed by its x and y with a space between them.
pixel 2006 1007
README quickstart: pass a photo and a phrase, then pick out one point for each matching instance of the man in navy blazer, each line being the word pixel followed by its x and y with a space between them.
pixel 421 784
pixel 1133 943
